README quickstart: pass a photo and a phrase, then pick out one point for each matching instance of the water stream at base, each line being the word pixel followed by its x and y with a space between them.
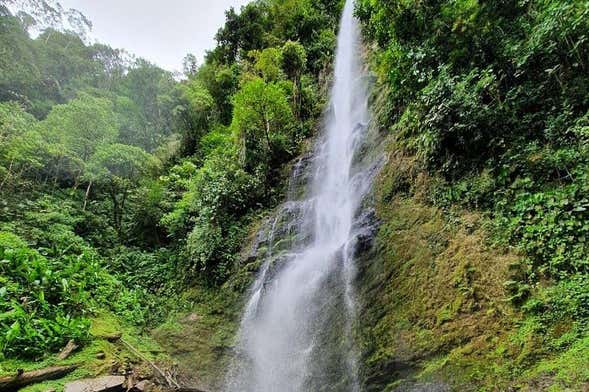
pixel 296 329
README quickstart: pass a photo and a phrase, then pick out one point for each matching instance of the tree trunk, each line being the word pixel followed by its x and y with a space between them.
pixel 77 180
pixel 122 210
pixel 299 97
pixel 57 170
pixel 267 130
pixel 22 379
pixel 115 207
pixel 67 350
pixel 8 174
pixel 86 195
pixel 295 98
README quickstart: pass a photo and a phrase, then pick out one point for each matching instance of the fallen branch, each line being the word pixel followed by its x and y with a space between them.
pixel 12 383
pixel 67 350
pixel 171 382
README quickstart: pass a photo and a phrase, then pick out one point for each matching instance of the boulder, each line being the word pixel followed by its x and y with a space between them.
pixel 100 384
pixel 144 386
pixel 192 317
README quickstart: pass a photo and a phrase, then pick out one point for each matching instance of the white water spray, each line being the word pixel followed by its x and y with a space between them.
pixel 296 330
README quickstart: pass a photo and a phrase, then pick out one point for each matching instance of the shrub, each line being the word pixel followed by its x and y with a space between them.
pixel 43 300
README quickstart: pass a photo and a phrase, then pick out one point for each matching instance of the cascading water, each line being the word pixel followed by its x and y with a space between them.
pixel 296 330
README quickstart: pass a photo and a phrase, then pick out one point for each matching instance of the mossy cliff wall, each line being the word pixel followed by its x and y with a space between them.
pixel 431 289
pixel 201 338
pixel 435 314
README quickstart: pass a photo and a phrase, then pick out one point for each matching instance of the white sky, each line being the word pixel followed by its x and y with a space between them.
pixel 162 31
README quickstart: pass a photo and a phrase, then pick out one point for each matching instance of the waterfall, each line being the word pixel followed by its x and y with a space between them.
pixel 296 332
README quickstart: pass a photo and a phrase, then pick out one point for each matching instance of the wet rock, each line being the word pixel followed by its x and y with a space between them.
pixel 143 386
pixel 100 384
pixel 192 317
pixel 114 337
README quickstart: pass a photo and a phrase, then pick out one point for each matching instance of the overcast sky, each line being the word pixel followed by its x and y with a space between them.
pixel 162 31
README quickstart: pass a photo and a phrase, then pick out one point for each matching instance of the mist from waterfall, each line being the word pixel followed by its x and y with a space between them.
pixel 296 332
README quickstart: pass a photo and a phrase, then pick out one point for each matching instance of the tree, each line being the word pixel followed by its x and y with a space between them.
pixel 20 144
pixel 152 90
pixel 49 14
pixel 117 168
pixel 74 131
pixel 14 121
pixel 112 65
pixel 294 59
pixel 268 63
pixel 66 63
pixel 18 73
pixel 222 82
pixel 263 122
pixel 244 31
pixel 189 65
pixel 197 111
pixel 82 124
pixel 228 37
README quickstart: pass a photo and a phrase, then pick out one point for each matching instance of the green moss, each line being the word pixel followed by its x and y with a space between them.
pixel 567 371
pixel 435 308
pixel 199 340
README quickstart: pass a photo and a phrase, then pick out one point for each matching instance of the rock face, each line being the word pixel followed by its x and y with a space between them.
pixel 100 384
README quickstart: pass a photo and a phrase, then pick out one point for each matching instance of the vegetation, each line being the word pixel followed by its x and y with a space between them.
pixel 124 186
pixel 128 193
pixel 486 103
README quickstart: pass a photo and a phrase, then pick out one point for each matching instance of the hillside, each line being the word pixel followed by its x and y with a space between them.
pixel 479 265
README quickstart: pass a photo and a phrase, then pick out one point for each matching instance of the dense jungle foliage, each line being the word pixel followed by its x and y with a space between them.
pixel 488 102
pixel 123 184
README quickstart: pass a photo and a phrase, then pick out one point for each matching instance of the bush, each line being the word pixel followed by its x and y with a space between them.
pixel 553 227
pixel 44 301
pixel 492 98
pixel 222 193
pixel 568 300
pixel 456 123
pixel 153 271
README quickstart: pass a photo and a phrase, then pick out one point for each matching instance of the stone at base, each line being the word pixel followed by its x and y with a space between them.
pixel 144 386
pixel 100 384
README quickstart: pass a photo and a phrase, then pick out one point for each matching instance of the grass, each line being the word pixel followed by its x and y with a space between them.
pixel 565 371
